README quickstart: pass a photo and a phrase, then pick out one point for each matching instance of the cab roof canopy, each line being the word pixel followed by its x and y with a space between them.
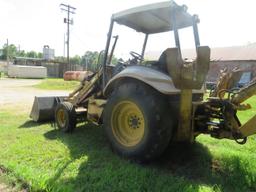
pixel 155 18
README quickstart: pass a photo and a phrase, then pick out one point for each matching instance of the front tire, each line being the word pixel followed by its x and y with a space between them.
pixel 65 117
pixel 135 121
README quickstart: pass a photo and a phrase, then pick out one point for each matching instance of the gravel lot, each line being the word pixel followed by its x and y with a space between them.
pixel 19 92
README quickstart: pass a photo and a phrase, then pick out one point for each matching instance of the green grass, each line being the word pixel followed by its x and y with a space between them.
pixel 3 75
pixel 246 115
pixel 48 160
pixel 7 178
pixel 57 84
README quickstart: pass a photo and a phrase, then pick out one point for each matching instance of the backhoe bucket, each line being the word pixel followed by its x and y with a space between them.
pixel 44 108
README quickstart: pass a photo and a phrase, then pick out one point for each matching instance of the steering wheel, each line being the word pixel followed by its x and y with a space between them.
pixel 136 56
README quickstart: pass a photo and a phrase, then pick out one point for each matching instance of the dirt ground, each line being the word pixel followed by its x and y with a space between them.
pixel 4 188
pixel 19 92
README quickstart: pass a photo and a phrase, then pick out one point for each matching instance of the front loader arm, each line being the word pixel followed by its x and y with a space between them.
pixel 249 128
pixel 86 87
pixel 245 93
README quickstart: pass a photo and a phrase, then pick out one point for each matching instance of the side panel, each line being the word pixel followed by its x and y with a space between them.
pixel 156 79
pixel 95 109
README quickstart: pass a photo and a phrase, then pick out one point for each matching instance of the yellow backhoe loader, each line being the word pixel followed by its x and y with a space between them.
pixel 145 105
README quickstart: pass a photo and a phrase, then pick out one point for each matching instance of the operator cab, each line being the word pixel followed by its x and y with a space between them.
pixel 155 19
pixel 160 18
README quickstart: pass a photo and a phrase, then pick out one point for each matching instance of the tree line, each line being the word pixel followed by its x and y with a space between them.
pixel 90 59
pixel 12 51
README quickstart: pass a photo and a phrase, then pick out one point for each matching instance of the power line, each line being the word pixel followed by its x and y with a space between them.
pixel 70 10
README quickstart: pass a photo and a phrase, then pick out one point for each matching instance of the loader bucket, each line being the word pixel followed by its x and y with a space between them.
pixel 43 108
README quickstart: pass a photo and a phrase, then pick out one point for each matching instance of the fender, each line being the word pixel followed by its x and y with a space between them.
pixel 156 79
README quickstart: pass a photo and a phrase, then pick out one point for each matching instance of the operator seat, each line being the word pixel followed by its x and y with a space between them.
pixel 161 63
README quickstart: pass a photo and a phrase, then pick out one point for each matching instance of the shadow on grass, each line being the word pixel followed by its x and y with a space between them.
pixel 32 124
pixel 196 164
pixel 181 168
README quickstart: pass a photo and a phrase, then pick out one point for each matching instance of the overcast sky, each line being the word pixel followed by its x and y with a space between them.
pixel 33 23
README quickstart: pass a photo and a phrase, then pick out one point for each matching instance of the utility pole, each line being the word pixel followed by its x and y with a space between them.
pixel 86 64
pixel 64 50
pixel 7 53
pixel 69 21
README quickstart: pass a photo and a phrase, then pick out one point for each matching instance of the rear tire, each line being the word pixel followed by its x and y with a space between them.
pixel 135 121
pixel 65 117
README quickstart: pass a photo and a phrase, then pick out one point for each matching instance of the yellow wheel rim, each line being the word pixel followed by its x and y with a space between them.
pixel 61 117
pixel 128 124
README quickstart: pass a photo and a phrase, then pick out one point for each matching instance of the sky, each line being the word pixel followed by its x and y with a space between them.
pixel 31 24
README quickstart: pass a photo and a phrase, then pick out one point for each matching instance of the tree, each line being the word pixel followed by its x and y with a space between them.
pixel 60 59
pixel 114 60
pixel 39 55
pixel 13 52
pixel 32 54
pixel 90 60
pixel 76 60
pixel 21 53
pixel 11 49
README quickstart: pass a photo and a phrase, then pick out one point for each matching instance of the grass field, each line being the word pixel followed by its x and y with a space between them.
pixel 57 84
pixel 41 157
